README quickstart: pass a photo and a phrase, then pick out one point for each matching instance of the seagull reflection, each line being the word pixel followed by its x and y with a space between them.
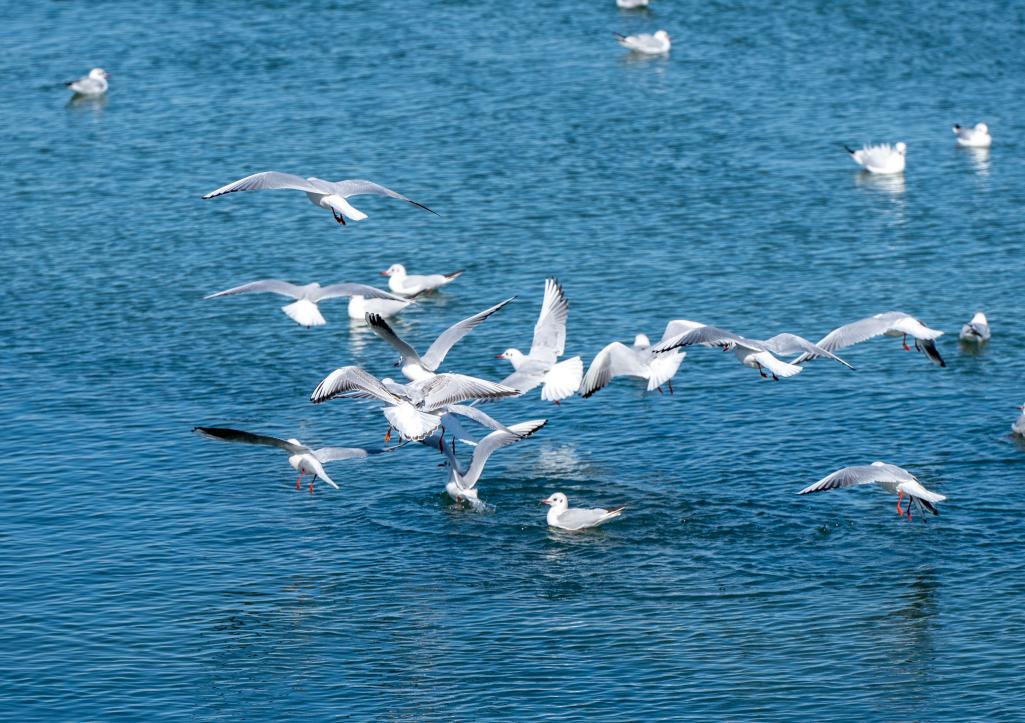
pixel 87 103
pixel 891 183
pixel 979 158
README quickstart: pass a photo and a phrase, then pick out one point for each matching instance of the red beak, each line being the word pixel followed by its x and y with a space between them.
pixel 382 273
pixel 499 356
pixel 544 502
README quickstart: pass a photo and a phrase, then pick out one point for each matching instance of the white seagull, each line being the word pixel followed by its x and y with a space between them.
pixel 405 284
pixel 305 311
pixel 93 84
pixel 888 476
pixel 977 137
pixel 415 367
pixel 632 4
pixel 413 409
pixel 754 353
pixel 890 323
pixel 541 365
pixel 646 44
pixel 303 459
pixel 976 331
pixel 562 516
pixel 881 159
pixel 1018 427
pixel 330 195
pixel 462 483
pixel 620 360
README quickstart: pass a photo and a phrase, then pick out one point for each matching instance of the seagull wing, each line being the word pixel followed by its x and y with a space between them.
pixel 436 353
pixel 269 181
pixel 237 435
pixel 708 336
pixel 860 475
pixel 369 292
pixel 443 389
pixel 380 327
pixel 615 360
pixel 352 382
pixel 333 454
pixel 360 187
pixel 679 326
pixel 485 420
pixel 272 286
pixel 791 344
pixel 497 440
pixel 550 329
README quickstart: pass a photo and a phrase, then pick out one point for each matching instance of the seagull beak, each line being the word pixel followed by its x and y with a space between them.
pixel 383 273
pixel 499 356
pixel 544 502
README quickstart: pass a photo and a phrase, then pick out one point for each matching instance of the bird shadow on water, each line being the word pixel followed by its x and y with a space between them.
pixel 86 103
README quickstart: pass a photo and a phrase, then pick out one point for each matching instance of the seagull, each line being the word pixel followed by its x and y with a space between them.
pixel 890 323
pixel 631 4
pixel 977 330
pixel 330 195
pixel 888 476
pixel 305 311
pixel 415 367
pixel 302 458
pixel 93 84
pixel 405 284
pixel 560 514
pixel 646 44
pixel 1018 427
pixel 413 409
pixel 753 353
pixel 881 159
pixel 462 484
pixel 360 306
pixel 540 365
pixel 620 360
pixel 977 137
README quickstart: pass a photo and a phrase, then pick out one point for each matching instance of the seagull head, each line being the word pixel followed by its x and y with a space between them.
pixel 394 270
pixel 982 128
pixel 642 340
pixel 901 148
pixel 556 501
pixel 99 73
pixel 510 355
pixel 662 35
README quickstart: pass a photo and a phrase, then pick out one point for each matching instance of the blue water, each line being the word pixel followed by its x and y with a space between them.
pixel 146 572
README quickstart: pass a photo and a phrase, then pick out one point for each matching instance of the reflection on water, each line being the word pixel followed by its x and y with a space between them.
pixel 640 59
pixel 891 183
pixel 913 649
pixel 85 103
pixel 979 158
pixel 558 462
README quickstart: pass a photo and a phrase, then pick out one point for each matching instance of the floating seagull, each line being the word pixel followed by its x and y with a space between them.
pixel 330 195
pixel 631 4
pixel 415 367
pixel 560 514
pixel 360 306
pixel 620 360
pixel 541 365
pixel 405 284
pixel 888 476
pixel 413 409
pixel 890 323
pixel 1019 424
pixel 647 44
pixel 977 137
pixel 462 484
pixel 302 458
pixel 880 159
pixel 305 311
pixel 754 353
pixel 93 84
pixel 976 331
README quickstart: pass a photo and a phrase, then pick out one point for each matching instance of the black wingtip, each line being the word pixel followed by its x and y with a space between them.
pixel 849 149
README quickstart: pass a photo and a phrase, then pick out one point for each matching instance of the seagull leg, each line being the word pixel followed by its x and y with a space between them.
pixel 338 217
pixel 387 436
pixel 900 496
pixel 669 383
pixel 762 371
pixel 557 403
pixel 311 483
pixel 904 342
pixel 441 443
pixel 917 347
pixel 908 511
pixel 660 390
pixel 774 377
pixel 298 482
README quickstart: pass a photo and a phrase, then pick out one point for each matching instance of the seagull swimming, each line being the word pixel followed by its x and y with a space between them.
pixel 1018 427
pixel 330 195
pixel 93 84
pixel 977 137
pixel 541 365
pixel 631 4
pixel 754 353
pixel 646 44
pixel 305 311
pixel 562 516
pixel 888 476
pixel 415 367
pixel 462 484
pixel 405 284
pixel 890 323
pixel 975 331
pixel 302 458
pixel 413 409
pixel 881 159
pixel 620 360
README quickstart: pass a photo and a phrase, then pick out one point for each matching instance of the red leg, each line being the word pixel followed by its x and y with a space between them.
pixel 311 488
pixel 298 482
pixel 900 496
pixel 904 343
pixel 387 437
